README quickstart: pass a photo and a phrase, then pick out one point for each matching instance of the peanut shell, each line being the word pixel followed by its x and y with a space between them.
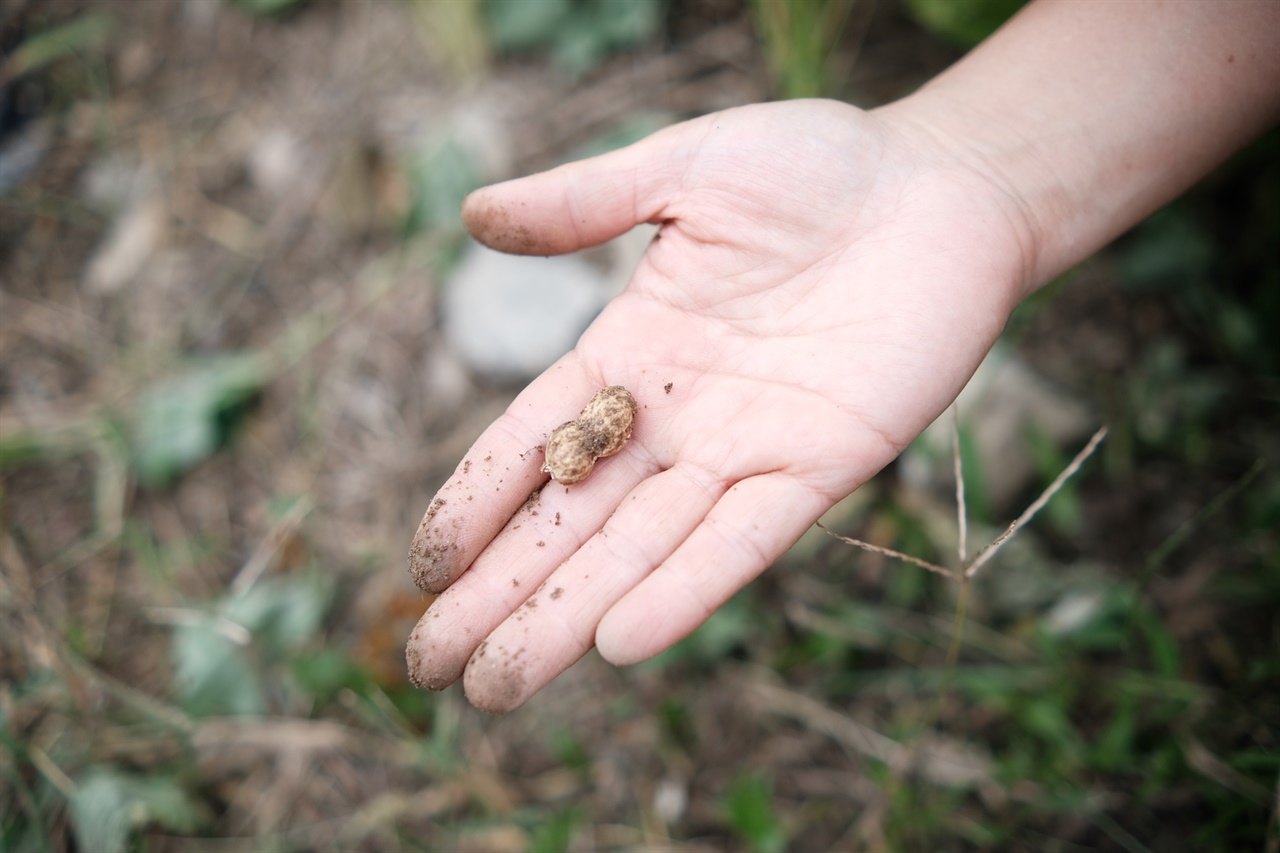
pixel 602 429
pixel 609 417
pixel 569 454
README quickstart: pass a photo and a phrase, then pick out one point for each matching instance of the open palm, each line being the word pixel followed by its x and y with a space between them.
pixel 823 283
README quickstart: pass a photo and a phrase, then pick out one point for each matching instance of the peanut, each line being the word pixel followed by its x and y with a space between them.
pixel 601 430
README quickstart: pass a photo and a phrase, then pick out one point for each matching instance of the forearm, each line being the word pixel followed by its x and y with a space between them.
pixel 1090 114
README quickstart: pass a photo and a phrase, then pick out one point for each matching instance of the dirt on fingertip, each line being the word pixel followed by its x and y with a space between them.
pixel 495 678
pixel 494 225
pixel 435 555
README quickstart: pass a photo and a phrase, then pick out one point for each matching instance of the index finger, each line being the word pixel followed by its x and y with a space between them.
pixel 496 476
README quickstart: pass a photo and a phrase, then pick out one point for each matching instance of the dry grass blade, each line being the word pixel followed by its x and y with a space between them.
pixel 269 548
pixel 988 552
pixel 932 757
pixel 889 552
pixel 1201 759
pixel 969 568
pixel 51 771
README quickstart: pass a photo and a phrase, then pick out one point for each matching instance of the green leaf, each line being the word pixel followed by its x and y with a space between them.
pixel 570 751
pixel 182 420
pixel 439 179
pixel 597 28
pixel 109 805
pixel 976 491
pixel 214 675
pixel 1161 644
pixel 283 613
pixel 555 834
pixel 524 24
pixel 626 23
pixel 42 49
pixel 1113 750
pixel 748 804
pixel 221 672
pixel 632 129
pixel 578 34
pixel 1166 252
pixel 580 44
pixel 266 7
pixel 963 22
pixel 327 673
pixel 725 629
pixel 1046 717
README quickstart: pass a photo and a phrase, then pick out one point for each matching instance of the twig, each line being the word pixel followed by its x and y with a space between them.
pixel 888 552
pixel 265 554
pixel 988 552
pixel 1184 530
pixel 51 772
pixel 185 617
pixel 932 756
pixel 970 568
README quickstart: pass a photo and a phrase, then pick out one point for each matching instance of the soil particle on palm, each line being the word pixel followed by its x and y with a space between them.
pixel 557 592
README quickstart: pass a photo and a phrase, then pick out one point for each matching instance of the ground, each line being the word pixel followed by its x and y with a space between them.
pixel 225 404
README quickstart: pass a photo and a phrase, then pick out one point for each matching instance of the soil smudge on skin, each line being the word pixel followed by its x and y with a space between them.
pixel 495 679
pixel 433 557
pixel 494 226
pixel 422 673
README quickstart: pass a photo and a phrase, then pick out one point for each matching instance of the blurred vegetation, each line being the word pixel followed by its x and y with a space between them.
pixel 167 682
pixel 576 34
pixel 963 23
pixel 800 40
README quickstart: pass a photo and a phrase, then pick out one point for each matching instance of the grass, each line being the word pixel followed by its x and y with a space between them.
pixel 201 638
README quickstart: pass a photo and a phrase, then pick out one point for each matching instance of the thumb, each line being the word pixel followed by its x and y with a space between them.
pixel 578 204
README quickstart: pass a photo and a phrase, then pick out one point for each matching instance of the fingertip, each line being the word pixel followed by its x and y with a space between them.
pixel 497 223
pixel 428 671
pixel 435 557
pixel 613 641
pixel 494 681
pixel 576 205
pixel 623 638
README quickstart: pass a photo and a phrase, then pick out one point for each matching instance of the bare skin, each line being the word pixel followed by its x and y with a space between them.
pixel 824 282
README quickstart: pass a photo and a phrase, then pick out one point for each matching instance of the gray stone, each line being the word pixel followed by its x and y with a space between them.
pixel 510 317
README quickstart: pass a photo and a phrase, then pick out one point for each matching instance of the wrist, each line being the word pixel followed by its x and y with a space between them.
pixel 1085 117
pixel 994 172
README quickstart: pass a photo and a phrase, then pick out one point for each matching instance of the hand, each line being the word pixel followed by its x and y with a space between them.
pixel 823 284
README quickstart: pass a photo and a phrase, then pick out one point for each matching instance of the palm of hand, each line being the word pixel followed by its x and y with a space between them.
pixel 814 298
